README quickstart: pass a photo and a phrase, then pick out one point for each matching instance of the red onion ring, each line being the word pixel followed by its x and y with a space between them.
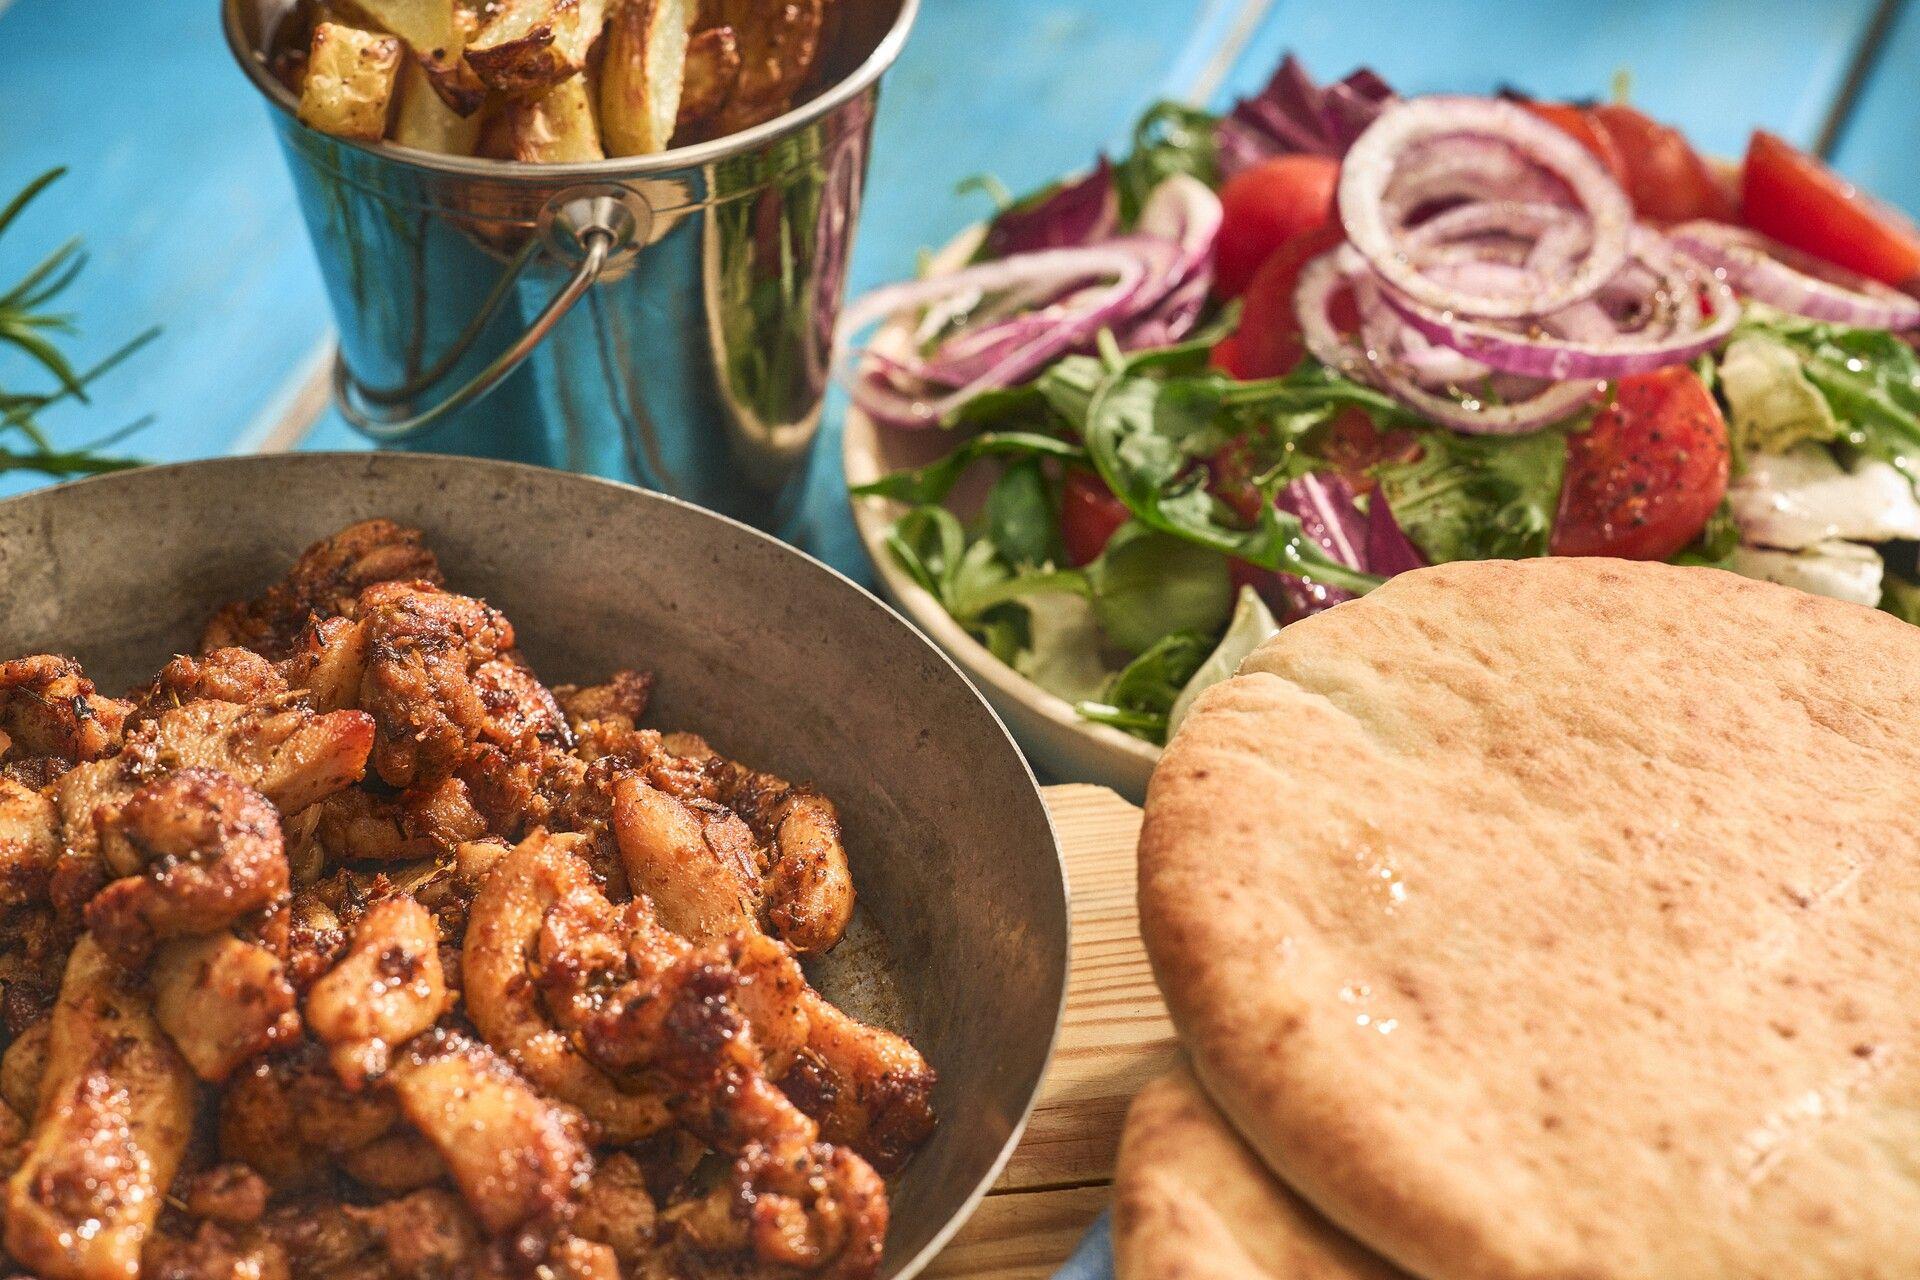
pixel 1770 272
pixel 1675 331
pixel 1380 159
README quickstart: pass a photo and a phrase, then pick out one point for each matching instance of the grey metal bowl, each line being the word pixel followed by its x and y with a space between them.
pixel 774 657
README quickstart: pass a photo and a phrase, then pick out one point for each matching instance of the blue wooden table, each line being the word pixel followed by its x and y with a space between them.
pixel 180 194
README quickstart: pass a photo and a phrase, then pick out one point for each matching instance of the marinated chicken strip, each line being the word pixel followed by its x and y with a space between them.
pixel 518 1158
pixel 29 844
pixel 290 754
pixel 24 1066
pixel 229 1193
pixel 215 1249
pixel 322 584
pixel 224 675
pixel 48 708
pixel 502 998
pixel 617 1210
pixel 615 706
pixel 357 826
pixel 818 1211
pixel 395 1163
pixel 703 884
pixel 387 989
pixel 115 1115
pixel 223 1001
pixel 195 850
pixel 289 1117
pixel 870 1089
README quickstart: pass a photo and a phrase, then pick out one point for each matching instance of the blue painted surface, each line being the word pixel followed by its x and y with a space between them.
pixel 182 200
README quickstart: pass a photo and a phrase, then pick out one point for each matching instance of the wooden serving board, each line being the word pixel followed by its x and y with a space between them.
pixel 1116 1038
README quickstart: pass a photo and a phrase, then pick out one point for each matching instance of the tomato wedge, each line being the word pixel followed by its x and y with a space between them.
pixel 1792 197
pixel 1267 343
pixel 1579 124
pixel 1265 207
pixel 1667 178
pixel 1089 516
pixel 1643 480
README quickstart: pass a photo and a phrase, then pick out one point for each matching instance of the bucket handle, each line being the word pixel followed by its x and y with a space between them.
pixel 355 399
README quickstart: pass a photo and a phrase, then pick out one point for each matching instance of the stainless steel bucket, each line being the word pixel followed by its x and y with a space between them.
pixel 665 319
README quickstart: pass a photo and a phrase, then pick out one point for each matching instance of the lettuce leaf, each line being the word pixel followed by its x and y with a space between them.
pixel 1772 406
pixel 1478 497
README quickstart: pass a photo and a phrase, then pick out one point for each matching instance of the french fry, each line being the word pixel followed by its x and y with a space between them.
pixel 348 90
pixel 713 69
pixel 640 78
pixel 430 31
pixel 779 40
pixel 423 120
pixel 557 128
pixel 528 46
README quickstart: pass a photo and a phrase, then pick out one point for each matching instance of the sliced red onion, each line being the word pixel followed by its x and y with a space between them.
pixel 1409 132
pixel 1672 327
pixel 1770 272
pixel 1389 550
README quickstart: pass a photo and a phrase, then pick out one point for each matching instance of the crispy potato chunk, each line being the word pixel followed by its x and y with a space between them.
pixel 712 71
pixel 387 989
pixel 556 128
pixel 526 47
pixel 224 1002
pixel 640 76
pixel 426 123
pixel 432 32
pixel 779 40
pixel 348 91
pixel 116 1110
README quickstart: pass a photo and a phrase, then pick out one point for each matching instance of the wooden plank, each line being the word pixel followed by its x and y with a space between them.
pixel 184 203
pixel 1878 142
pixel 1115 1038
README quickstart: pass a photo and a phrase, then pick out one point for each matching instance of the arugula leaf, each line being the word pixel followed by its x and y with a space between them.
pixel 1062 649
pixel 1148 585
pixel 1478 497
pixel 1144 433
pixel 1253 625
pixel 933 482
pixel 1170 138
pixel 1019 515
pixel 1140 697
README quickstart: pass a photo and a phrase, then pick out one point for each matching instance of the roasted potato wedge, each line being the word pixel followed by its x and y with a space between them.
pixel 640 76
pixel 712 70
pixel 557 128
pixel 779 40
pixel 432 33
pixel 528 46
pixel 424 120
pixel 350 76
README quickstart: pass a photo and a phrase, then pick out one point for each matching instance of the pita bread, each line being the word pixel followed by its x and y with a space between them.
pixel 1190 1202
pixel 1558 918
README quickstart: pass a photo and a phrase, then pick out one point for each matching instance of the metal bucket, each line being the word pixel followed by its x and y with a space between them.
pixel 665 319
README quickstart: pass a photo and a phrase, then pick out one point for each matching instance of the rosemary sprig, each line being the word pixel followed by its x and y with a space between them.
pixel 27 325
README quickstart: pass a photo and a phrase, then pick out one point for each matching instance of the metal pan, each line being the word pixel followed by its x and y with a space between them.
pixel 962 940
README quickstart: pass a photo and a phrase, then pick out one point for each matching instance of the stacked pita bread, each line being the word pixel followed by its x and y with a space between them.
pixel 1538 921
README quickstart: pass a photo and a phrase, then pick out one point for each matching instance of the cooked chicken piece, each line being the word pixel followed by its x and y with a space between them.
pixel 33 956
pixel 697 865
pixel 13 1144
pixel 428 1233
pixel 224 675
pixel 503 930
pixel 224 1001
pixel 395 1163
pixel 29 844
pixel 870 1089
pixel 357 826
pixel 290 754
pixel 615 706
pixel 116 1111
pixel 518 1157
pixel 195 850
pixel 48 708
pixel 323 583
pixel 288 1116
pixel 817 1211
pixel 809 888
pixel 229 1193
pixel 215 1250
pixel 387 989
pixel 24 1066
pixel 617 1210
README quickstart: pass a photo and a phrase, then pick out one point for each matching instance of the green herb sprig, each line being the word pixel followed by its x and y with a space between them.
pixel 29 325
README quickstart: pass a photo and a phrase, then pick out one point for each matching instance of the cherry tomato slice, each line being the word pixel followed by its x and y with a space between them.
pixel 1792 197
pixel 1264 207
pixel 1666 177
pixel 1268 340
pixel 1578 123
pixel 1645 477
pixel 1089 515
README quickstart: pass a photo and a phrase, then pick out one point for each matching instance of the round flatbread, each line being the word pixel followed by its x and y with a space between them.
pixel 1191 1202
pixel 1559 919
